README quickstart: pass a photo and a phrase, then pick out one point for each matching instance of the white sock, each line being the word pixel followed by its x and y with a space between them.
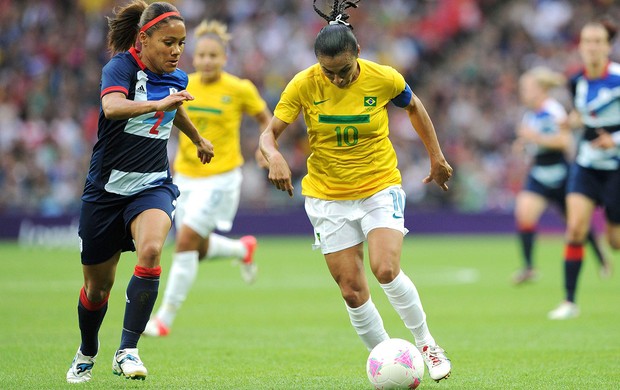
pixel 220 246
pixel 404 297
pixel 182 275
pixel 368 324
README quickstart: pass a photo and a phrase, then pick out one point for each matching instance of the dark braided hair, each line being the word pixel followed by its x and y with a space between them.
pixel 336 37
pixel 337 10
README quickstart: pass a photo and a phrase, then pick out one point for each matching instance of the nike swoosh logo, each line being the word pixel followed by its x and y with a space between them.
pixel 396 216
pixel 320 102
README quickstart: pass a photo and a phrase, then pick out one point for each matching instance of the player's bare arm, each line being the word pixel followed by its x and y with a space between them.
pixel 116 106
pixel 279 171
pixel 263 118
pixel 440 171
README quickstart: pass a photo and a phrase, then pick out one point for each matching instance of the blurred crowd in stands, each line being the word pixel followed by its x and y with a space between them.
pixel 462 57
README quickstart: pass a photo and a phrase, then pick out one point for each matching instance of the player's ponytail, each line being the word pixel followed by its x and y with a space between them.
pixel 137 16
pixel 336 37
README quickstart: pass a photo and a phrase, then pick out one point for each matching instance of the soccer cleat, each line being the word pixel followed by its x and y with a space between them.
pixel 81 368
pixel 156 328
pixel 438 364
pixel 127 363
pixel 525 275
pixel 249 269
pixel 566 310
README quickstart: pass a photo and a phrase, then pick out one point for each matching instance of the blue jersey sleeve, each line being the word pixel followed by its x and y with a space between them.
pixel 116 76
pixel 403 99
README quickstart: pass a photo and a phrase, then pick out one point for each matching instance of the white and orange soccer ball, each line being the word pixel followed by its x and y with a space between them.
pixel 395 364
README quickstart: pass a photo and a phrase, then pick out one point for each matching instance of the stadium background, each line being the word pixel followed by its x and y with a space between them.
pixel 462 57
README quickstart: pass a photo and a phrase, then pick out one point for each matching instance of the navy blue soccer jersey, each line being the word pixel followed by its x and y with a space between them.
pixel 549 167
pixel 130 155
pixel 598 102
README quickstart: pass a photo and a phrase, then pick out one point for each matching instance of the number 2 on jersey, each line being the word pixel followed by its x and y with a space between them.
pixel 160 117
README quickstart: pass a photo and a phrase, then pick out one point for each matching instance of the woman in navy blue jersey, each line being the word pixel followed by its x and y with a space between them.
pixel 595 176
pixel 542 134
pixel 129 198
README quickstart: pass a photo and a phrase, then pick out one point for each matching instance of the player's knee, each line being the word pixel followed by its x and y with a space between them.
pixel 353 300
pixel 576 233
pixel 386 272
pixel 96 294
pixel 354 297
pixel 149 253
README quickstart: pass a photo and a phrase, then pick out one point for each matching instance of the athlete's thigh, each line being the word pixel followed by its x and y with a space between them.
pixel 529 207
pixel 347 266
pixel 150 217
pixel 384 250
pixel 579 211
pixel 149 230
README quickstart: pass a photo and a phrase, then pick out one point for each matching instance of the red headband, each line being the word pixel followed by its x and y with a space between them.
pixel 159 19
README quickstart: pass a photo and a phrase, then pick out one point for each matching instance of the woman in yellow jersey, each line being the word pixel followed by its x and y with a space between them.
pixel 353 187
pixel 210 197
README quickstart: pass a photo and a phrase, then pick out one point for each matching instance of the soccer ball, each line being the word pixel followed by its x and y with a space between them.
pixel 395 364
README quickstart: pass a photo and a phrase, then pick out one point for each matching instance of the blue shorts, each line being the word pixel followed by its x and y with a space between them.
pixel 105 226
pixel 603 187
pixel 552 194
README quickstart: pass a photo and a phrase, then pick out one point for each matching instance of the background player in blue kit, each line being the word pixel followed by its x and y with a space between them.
pixel 595 175
pixel 129 198
pixel 542 134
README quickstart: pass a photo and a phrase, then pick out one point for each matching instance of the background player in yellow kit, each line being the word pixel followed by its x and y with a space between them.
pixel 210 197
pixel 353 186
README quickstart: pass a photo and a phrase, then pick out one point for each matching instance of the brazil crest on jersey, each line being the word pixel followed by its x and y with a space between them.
pixel 352 156
pixel 217 111
pixel 130 154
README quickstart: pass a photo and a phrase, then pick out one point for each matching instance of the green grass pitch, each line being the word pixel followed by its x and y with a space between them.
pixel 290 329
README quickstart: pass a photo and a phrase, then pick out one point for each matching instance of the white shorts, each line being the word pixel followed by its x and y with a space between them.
pixel 341 224
pixel 208 203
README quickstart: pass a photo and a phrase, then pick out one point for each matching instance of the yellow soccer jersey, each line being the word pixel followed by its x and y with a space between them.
pixel 217 111
pixel 352 156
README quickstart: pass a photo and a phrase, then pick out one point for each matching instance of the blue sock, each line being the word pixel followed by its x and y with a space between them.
pixel 573 258
pixel 527 237
pixel 141 295
pixel 90 318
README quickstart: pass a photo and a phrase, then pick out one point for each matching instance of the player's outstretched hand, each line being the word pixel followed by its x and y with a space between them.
pixel 280 174
pixel 174 101
pixel 440 173
pixel 204 150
